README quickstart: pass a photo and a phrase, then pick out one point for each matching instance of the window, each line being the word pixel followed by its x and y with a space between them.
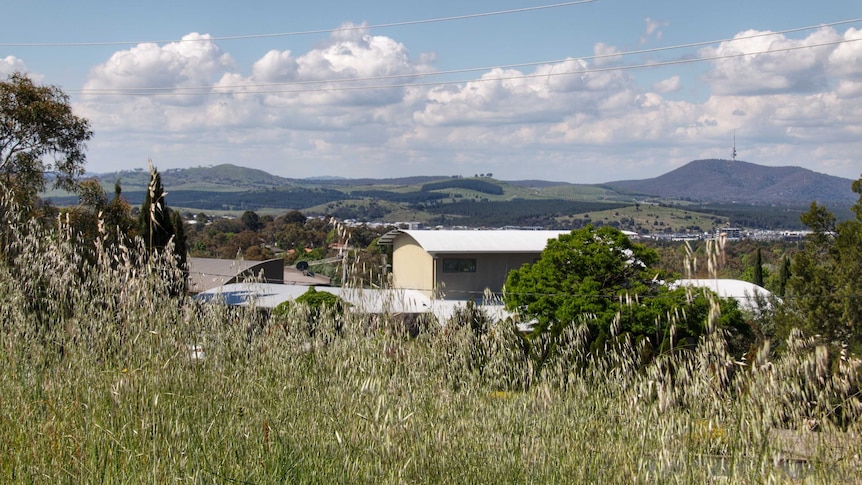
pixel 459 265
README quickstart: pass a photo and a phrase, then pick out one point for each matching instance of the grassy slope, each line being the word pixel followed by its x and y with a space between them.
pixel 99 385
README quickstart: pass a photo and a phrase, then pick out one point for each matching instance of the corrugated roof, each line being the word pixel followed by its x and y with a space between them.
pixel 481 241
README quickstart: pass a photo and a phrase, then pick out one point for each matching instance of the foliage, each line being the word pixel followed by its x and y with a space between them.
pixel 823 290
pixel 37 122
pixel 413 197
pixel 98 217
pixel 600 278
pixel 154 218
pixel 758 269
pixel 251 220
pixel 160 230
pixel 515 212
pixel 482 186
pixel 314 306
pixel 584 272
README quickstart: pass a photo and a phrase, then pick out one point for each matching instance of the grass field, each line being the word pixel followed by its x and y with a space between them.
pixel 105 377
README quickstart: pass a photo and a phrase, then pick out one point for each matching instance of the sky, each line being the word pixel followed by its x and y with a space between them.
pixel 581 92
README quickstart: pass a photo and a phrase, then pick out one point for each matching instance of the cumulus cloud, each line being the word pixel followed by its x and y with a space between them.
pixel 668 85
pixel 192 62
pixel 357 97
pixel 10 64
pixel 757 63
pixel 846 59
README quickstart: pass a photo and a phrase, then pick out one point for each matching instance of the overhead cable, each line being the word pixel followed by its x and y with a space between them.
pixel 242 90
pixel 298 33
pixel 471 69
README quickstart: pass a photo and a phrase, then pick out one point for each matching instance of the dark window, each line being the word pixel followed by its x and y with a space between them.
pixel 459 265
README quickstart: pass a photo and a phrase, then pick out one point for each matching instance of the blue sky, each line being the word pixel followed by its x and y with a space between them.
pixel 160 80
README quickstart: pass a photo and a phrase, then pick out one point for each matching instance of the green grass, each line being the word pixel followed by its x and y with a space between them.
pixel 98 385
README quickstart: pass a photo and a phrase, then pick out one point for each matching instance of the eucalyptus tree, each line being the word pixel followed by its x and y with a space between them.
pixel 39 135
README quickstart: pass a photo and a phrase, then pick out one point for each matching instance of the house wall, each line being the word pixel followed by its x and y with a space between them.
pixel 412 267
pixel 491 272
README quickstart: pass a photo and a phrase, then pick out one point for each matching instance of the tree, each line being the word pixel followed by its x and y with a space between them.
pixel 251 221
pixel 180 244
pixel 783 275
pixel 98 217
pixel 758 269
pixel 154 220
pixel 583 272
pixel 294 217
pixel 598 276
pixel 37 122
pixel 823 290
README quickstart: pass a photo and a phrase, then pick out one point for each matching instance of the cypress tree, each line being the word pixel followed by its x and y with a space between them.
pixel 783 275
pixel 758 269
pixel 154 221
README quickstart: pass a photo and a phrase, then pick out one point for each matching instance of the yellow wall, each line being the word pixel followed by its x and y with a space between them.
pixel 412 267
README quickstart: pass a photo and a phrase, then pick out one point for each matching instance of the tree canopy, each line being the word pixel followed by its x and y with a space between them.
pixel 599 277
pixel 37 123
pixel 823 291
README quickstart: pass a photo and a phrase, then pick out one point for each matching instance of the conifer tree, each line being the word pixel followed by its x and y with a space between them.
pixel 154 221
pixel 783 275
pixel 758 269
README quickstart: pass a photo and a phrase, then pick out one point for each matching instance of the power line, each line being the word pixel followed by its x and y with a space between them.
pixel 465 70
pixel 302 32
pixel 134 92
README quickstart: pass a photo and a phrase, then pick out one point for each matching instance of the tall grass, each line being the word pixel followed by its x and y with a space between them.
pixel 104 377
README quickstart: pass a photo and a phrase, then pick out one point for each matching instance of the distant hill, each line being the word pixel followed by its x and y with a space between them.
pixel 697 196
pixel 216 178
pixel 726 181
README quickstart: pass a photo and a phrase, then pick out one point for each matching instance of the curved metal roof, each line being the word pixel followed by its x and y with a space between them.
pixel 479 241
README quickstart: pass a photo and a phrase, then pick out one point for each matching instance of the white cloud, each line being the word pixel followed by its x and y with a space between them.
pixel 605 54
pixel 668 85
pixel 11 64
pixel 193 62
pixel 653 29
pixel 747 67
pixel 846 58
pixel 291 112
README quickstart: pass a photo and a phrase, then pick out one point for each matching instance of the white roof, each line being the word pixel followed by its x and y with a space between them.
pixel 742 291
pixel 267 295
pixel 479 241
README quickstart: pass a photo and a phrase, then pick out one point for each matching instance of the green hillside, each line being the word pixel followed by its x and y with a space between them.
pixel 479 201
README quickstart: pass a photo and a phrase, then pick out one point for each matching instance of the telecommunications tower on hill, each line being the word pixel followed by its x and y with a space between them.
pixel 733 150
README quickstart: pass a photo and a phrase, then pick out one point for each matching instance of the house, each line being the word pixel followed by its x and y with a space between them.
pixel 461 264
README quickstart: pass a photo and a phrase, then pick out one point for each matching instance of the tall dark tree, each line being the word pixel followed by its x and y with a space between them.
pixel 758 269
pixel 154 220
pixel 36 122
pixel 783 276
pixel 181 250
